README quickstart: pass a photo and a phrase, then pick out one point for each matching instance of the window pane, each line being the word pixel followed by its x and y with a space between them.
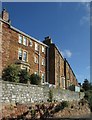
pixel 43 78
pixel 25 41
pixel 31 43
pixel 43 49
pixel 36 46
pixel 43 61
pixel 20 54
pixel 35 59
pixel 20 39
pixel 24 56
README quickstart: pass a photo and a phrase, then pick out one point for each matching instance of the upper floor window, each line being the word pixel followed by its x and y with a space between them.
pixel 35 59
pixel 20 39
pixel 43 49
pixel 20 54
pixel 30 43
pixel 25 41
pixel 24 56
pixel 43 62
pixel 36 46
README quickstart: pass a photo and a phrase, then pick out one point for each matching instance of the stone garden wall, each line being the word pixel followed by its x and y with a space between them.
pixel 23 93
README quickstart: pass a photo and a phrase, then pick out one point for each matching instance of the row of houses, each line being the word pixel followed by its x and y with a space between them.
pixel 43 58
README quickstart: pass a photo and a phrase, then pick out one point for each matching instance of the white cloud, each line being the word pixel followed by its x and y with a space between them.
pixel 88 67
pixel 86 18
pixel 67 53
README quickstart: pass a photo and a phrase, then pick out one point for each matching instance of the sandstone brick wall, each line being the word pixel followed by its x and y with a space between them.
pixel 59 68
pixel 23 93
pixel 56 67
pixel 70 77
pixel 10 47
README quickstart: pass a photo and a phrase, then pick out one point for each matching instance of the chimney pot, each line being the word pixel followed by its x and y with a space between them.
pixel 5 15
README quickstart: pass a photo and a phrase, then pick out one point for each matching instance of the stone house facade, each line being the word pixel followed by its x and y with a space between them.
pixel 70 78
pixel 43 58
pixel 56 64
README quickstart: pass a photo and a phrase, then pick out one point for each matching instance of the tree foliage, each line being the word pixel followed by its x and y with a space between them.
pixel 24 76
pixel 86 85
pixel 35 79
pixel 11 73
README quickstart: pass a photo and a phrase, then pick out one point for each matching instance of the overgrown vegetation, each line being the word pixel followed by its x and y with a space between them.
pixel 61 106
pixel 35 79
pixel 50 96
pixel 13 73
pixel 24 76
pixel 87 87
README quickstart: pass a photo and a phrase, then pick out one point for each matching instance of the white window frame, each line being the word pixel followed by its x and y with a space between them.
pixel 24 51
pixel 25 41
pixel 36 47
pixel 35 60
pixel 43 80
pixel 30 41
pixel 19 53
pixel 19 40
pixel 63 82
pixel 43 61
pixel 43 49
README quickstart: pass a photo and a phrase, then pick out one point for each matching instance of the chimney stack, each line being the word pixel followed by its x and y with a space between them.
pixel 47 40
pixel 5 15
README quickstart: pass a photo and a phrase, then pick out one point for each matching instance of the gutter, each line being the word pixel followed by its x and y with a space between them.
pixel 17 30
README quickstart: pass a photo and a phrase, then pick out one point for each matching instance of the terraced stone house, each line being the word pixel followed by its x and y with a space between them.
pixel 43 58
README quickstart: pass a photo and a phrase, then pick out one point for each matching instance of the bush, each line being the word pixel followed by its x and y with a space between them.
pixel 35 79
pixel 50 96
pixel 64 104
pixel 24 76
pixel 61 106
pixel 88 97
pixel 82 102
pixel 11 73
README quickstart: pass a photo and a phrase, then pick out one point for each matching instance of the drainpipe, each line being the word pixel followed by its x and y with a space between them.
pixel 0 50
pixel 47 65
pixel 39 61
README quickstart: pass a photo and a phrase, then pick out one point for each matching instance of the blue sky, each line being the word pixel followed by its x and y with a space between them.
pixel 66 23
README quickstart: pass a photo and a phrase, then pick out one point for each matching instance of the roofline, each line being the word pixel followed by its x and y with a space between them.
pixel 15 29
pixel 69 66
pixel 58 51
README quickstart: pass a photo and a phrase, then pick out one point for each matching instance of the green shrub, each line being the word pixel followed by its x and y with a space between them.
pixel 88 97
pixel 11 73
pixel 64 104
pixel 82 102
pixel 35 79
pixel 24 76
pixel 50 96
pixel 61 106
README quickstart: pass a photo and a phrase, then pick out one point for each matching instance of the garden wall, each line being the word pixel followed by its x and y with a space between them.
pixel 24 93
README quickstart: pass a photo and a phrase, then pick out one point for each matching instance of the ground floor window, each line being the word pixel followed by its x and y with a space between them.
pixel 43 78
pixel 63 82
